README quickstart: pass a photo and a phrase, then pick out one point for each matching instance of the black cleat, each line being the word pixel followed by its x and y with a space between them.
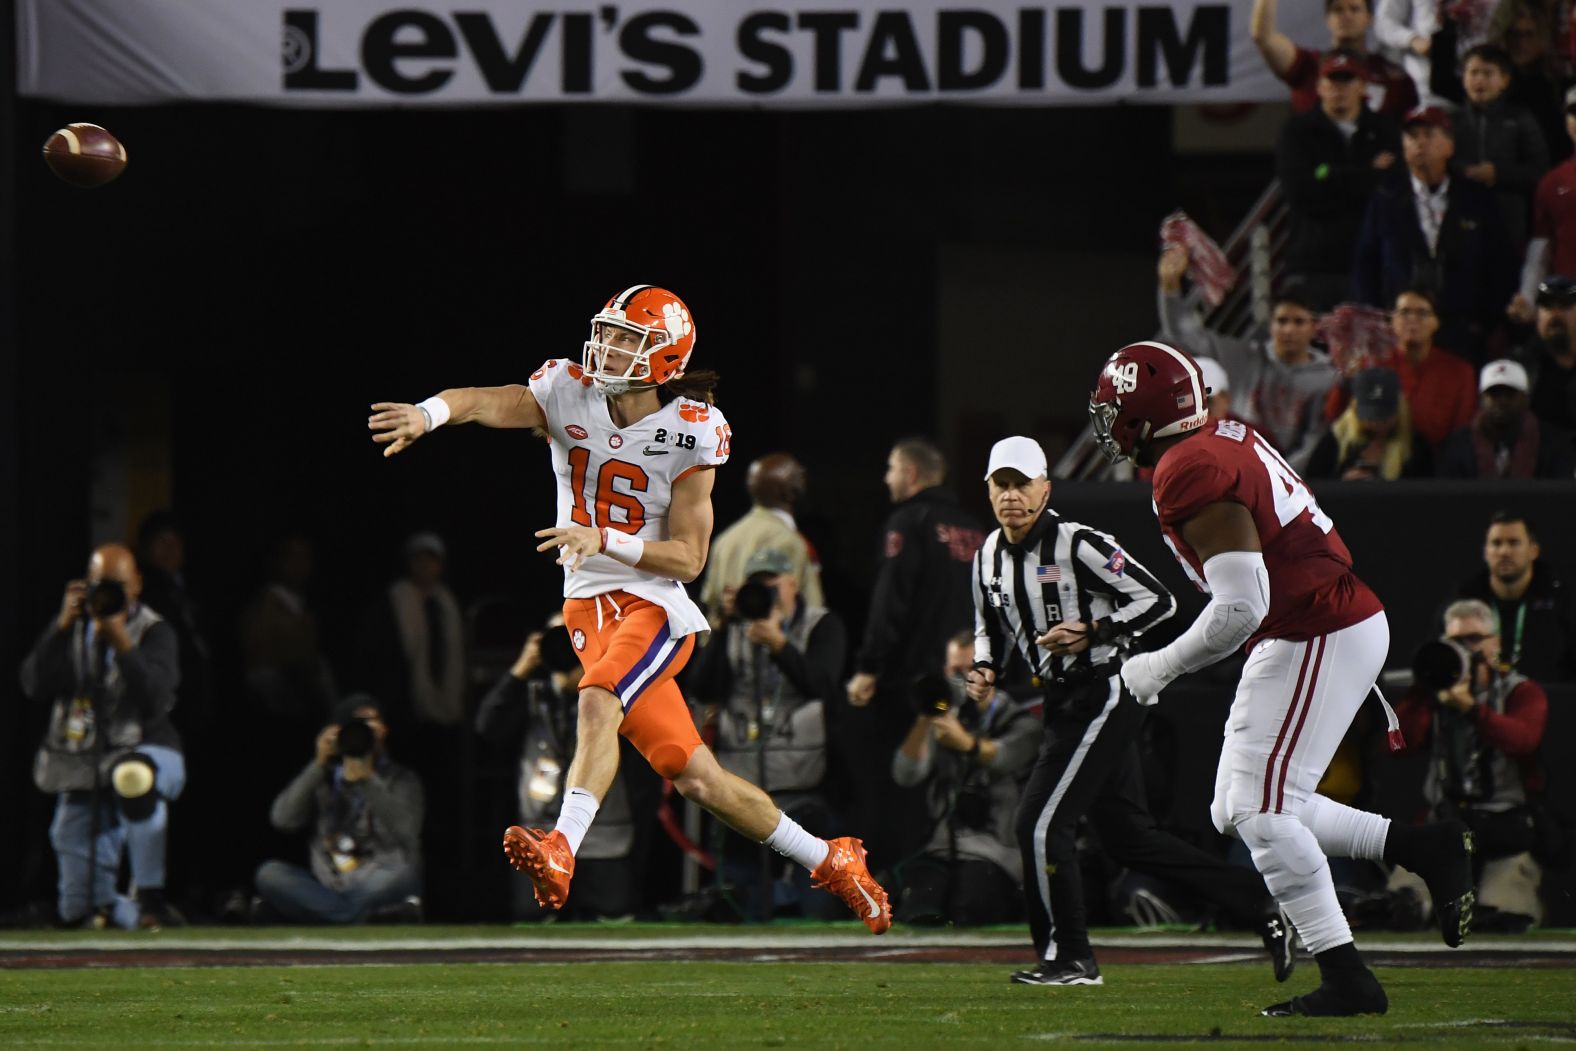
pixel 1278 935
pixel 1447 869
pixel 1360 998
pixel 1060 972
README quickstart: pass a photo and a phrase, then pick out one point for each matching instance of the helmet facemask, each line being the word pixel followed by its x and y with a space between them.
pixel 636 374
pixel 1102 416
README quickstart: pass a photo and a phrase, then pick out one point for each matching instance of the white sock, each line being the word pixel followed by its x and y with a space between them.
pixel 1343 831
pixel 791 841
pixel 1318 917
pixel 574 820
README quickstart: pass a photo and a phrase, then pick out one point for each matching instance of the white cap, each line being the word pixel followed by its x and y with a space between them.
pixel 1023 455
pixel 1503 373
pixel 1214 375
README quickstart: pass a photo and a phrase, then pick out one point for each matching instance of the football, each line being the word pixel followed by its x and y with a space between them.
pixel 84 155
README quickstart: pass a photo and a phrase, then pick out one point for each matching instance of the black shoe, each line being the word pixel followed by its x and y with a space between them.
pixel 1364 997
pixel 1060 972
pixel 406 910
pixel 1447 869
pixel 157 911
pixel 1278 935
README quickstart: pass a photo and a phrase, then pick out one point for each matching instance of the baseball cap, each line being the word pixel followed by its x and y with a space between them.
pixel 1342 63
pixel 1503 373
pixel 1215 377
pixel 1557 290
pixel 1023 455
pixel 1433 116
pixel 425 543
pixel 768 560
pixel 1377 394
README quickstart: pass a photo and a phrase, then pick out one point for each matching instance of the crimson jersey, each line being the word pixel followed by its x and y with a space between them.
pixel 1313 590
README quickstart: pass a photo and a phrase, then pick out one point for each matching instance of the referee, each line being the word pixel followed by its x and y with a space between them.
pixel 1067 601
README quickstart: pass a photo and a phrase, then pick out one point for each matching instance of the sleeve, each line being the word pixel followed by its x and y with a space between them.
pixel 1518 730
pixel 1393 23
pixel 1466 393
pixel 1019 743
pixel 1542 210
pixel 1302 67
pixel 709 679
pixel 152 671
pixel 547 381
pixel 503 713
pixel 1530 156
pixel 902 561
pixel 815 671
pixel 1142 601
pixel 908 771
pixel 989 639
pixel 1190 483
pixel 295 807
pixel 396 802
pixel 713 438
pixel 47 672
pixel 1180 323
pixel 1311 430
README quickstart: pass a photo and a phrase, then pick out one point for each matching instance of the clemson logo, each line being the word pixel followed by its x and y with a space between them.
pixel 577 432
pixel 694 412
pixel 615 440
pixel 575 371
pixel 578 639
pixel 677 321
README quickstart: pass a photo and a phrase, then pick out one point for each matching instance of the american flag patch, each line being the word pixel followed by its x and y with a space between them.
pixel 1047 574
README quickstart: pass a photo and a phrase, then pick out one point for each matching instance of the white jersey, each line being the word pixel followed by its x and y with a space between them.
pixel 622 478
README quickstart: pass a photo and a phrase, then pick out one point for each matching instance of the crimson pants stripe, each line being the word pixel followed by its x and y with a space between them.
pixel 1269 767
pixel 1307 706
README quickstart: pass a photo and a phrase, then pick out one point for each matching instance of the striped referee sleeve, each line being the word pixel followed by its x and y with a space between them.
pixel 987 635
pixel 1141 600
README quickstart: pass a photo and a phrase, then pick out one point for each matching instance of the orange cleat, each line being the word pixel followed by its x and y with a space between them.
pixel 844 873
pixel 546 858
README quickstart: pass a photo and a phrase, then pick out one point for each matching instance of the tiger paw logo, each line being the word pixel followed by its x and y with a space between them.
pixel 694 411
pixel 676 320
pixel 578 640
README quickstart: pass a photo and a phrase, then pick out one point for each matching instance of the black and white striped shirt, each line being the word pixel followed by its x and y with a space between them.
pixel 1062 571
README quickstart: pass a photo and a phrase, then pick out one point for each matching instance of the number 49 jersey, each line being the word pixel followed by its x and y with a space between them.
pixel 623 478
pixel 1313 590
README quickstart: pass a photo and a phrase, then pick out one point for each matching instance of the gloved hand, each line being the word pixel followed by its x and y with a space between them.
pixel 1146 674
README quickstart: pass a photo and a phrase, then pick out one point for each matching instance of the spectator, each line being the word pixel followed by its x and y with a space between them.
pixel 365 811
pixel 1373 438
pixel 1348 22
pixel 108 667
pixel 972 757
pixel 535 704
pixel 1329 161
pixel 1426 229
pixel 919 601
pixel 1551 359
pixel 1534 86
pixel 1533 610
pixel 412 650
pixel 1277 385
pixel 161 557
pixel 1498 144
pixel 280 651
pixel 1504 439
pixel 1405 30
pixel 1553 245
pixel 1218 383
pixel 764 678
pixel 776 482
pixel 1482 724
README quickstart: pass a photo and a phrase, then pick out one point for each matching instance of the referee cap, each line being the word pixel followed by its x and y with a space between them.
pixel 1023 455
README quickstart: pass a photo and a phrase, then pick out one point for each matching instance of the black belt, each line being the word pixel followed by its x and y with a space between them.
pixel 1077 676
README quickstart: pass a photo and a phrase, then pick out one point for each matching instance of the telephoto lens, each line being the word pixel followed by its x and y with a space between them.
pixel 355 739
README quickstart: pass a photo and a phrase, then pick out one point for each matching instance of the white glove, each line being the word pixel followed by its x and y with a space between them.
pixel 1146 674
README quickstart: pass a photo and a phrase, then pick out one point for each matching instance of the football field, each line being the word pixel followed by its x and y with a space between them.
pixel 741 987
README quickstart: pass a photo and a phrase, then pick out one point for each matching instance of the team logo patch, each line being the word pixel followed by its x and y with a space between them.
pixel 577 432
pixel 579 640
pixel 894 544
pixel 1116 563
pixel 615 440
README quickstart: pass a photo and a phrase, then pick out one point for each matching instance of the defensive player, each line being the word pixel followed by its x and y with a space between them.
pixel 1249 533
pixel 634 442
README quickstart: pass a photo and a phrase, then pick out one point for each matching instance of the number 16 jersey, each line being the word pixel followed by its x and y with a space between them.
pixel 622 478
pixel 1313 590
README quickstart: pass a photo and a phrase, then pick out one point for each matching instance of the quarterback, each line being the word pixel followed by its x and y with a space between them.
pixel 634 445
pixel 1248 532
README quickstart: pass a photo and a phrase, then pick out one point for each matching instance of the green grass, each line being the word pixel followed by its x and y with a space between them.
pixel 752 1005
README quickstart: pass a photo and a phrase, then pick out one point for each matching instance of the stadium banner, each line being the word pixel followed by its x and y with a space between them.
pixel 355 53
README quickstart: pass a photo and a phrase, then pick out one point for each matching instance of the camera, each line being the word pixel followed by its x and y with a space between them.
pixel 104 598
pixel 558 652
pixel 1441 663
pixel 931 694
pixel 356 739
pixel 754 600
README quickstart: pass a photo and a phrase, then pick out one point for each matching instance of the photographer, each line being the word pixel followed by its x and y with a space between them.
pixel 535 703
pixel 764 677
pixel 366 810
pixel 1482 724
pixel 108 666
pixel 972 756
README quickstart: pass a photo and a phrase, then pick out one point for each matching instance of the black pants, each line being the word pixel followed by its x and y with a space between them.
pixel 1089 764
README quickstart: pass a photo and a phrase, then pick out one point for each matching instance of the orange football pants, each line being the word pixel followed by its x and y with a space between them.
pixel 626 649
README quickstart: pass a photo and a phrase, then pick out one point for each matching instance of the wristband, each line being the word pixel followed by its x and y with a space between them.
pixel 435 411
pixel 621 547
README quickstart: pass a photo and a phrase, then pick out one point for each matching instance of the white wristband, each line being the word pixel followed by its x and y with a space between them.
pixel 436 410
pixel 622 547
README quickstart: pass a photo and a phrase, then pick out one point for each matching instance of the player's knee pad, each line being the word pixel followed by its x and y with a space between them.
pixel 1286 854
pixel 134 779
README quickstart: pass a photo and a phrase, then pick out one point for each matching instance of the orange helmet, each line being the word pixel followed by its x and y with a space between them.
pixel 666 337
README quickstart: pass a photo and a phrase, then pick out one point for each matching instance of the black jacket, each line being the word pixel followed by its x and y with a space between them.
pixel 1327 181
pixel 921 597
pixel 1509 138
pixel 1548 626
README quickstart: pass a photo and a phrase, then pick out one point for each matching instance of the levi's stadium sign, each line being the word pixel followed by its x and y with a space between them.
pixel 349 53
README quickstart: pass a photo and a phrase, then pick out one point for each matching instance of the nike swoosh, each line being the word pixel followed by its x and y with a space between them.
pixel 556 867
pixel 874 909
pixel 655 452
